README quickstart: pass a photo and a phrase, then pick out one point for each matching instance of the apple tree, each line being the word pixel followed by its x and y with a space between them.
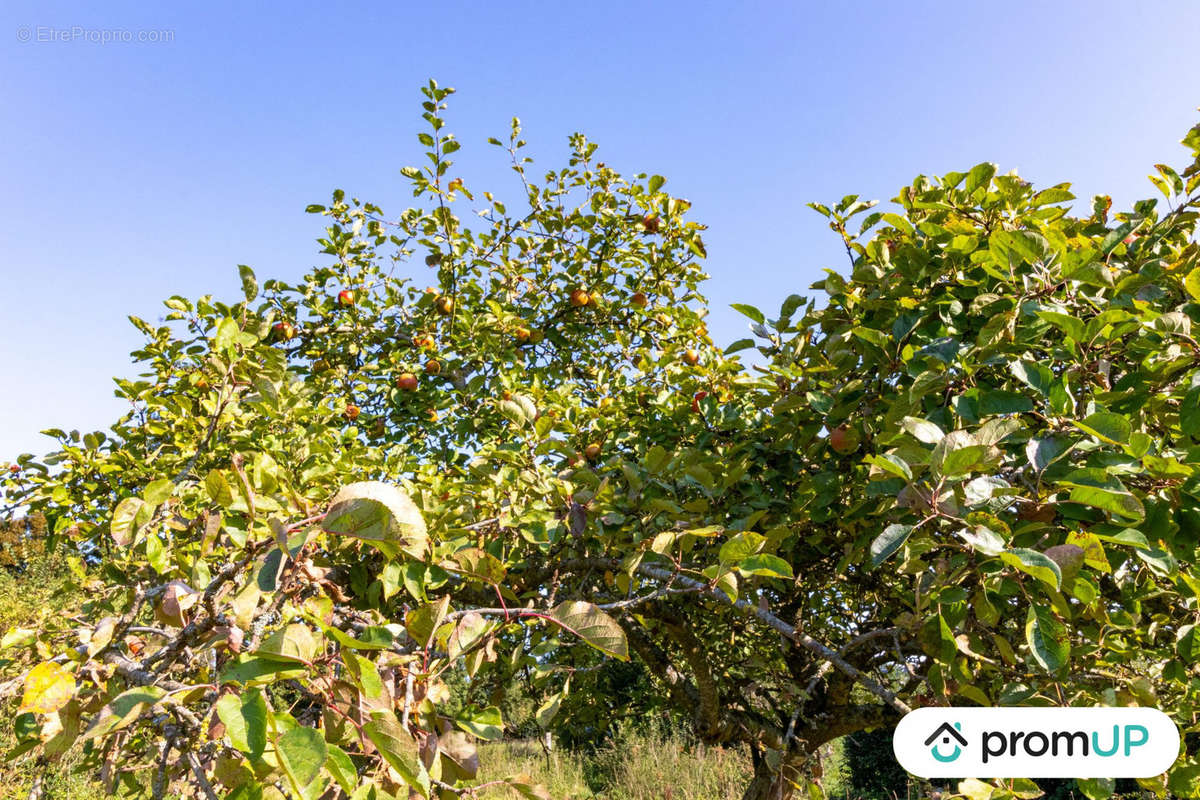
pixel 967 476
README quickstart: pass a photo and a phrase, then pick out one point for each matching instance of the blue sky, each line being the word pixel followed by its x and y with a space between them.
pixel 134 171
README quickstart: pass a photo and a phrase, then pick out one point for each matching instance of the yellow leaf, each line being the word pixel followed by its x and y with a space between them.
pixel 48 687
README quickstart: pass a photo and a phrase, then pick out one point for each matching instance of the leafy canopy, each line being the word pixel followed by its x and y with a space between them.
pixel 970 475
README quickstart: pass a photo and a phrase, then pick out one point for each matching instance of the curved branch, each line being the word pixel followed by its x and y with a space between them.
pixel 801 639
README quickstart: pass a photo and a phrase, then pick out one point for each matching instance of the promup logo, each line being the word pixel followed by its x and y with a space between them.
pixel 1036 742
pixel 946 732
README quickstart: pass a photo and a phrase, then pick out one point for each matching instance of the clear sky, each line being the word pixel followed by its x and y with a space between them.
pixel 133 171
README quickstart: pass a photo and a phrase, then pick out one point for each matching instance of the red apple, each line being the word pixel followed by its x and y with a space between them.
pixel 844 440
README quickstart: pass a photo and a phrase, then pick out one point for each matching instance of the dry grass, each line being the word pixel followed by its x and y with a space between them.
pixel 651 765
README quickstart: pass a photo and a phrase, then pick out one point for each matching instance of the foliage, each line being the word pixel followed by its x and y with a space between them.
pixel 874 773
pixel 970 476
pixel 22 540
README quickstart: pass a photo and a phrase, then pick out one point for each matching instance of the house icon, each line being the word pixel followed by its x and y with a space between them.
pixel 945 732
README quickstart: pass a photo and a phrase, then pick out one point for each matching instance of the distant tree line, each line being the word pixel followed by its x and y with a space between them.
pixel 22 539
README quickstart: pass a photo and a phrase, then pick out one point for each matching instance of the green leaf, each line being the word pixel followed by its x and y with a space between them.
pixel 892 464
pixel 750 311
pixel 548 710
pixel 1192 283
pixel 923 430
pixel 397 748
pixel 592 625
pixel 1049 643
pixel 1071 326
pixel 983 539
pixel 937 639
pixel 249 282
pixel 245 719
pixel 18 637
pixel 888 542
pixel 373 637
pixel 477 564
pixel 871 336
pixel 789 306
pixel 381 514
pixel 469 631
pixel 1100 788
pixel 1036 376
pixel 228 334
pixel 423 622
pixel 365 674
pixel 1044 452
pixel 486 723
pixel 1107 427
pixel 218 488
pixel 157 492
pixel 995 401
pixel 1023 788
pixel 1034 563
pixel 250 670
pixel 963 460
pixel 122 526
pixel 513 412
pixel 341 768
pixel 1184 780
pixel 767 565
pixel 1093 551
pixel 390 577
pixel 156 554
pixel 740 547
pixel 123 711
pixel 1094 487
pixel 980 175
pixel 293 643
pixel 1189 412
pixel 983 489
pixel 655 459
pixel 701 474
pixel 301 753
pixel 975 789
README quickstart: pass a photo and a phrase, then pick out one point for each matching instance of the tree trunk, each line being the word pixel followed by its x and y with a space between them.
pixel 770 784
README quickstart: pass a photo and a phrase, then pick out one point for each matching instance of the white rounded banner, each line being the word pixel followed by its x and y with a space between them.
pixel 1036 742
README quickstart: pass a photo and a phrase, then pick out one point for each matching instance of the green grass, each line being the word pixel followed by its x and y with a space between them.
pixel 43 591
pixel 646 765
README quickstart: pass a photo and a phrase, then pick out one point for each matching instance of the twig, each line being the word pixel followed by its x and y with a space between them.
pixel 201 778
